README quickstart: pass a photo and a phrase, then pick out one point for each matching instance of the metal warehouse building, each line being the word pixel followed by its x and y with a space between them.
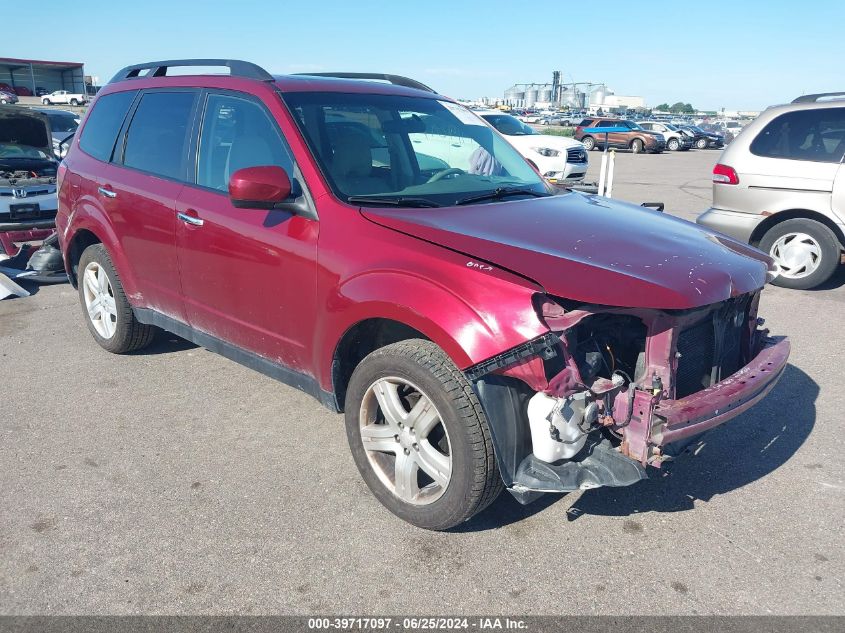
pixel 34 73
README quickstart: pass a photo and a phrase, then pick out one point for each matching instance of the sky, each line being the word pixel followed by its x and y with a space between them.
pixel 740 55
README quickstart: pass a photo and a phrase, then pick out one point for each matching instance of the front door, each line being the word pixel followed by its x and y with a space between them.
pixel 248 275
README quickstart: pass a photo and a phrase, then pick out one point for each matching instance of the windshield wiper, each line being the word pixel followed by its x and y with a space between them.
pixel 502 192
pixel 395 202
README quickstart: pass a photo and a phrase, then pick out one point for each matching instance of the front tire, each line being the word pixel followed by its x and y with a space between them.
pixel 673 144
pixel 419 436
pixel 46 102
pixel 806 253
pixel 637 146
pixel 74 102
pixel 107 312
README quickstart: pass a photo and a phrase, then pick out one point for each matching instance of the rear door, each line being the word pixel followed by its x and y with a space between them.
pixel 143 192
pixel 248 275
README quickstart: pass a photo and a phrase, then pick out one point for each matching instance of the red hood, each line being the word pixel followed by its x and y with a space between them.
pixel 592 250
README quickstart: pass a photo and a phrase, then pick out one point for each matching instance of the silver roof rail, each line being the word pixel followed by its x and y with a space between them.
pixel 814 98
pixel 397 80
pixel 237 68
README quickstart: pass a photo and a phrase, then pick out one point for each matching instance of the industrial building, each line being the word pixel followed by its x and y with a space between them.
pixel 26 75
pixel 576 96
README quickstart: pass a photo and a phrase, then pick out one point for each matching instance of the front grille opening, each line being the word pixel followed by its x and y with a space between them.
pixel 603 344
pixel 710 350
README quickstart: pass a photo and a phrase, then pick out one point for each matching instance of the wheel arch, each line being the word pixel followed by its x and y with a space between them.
pixel 358 342
pixel 81 240
pixel 90 226
pixel 794 214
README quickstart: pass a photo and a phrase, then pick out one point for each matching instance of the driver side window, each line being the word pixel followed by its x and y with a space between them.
pixel 237 133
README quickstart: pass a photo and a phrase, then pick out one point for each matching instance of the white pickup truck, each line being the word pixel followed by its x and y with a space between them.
pixel 64 96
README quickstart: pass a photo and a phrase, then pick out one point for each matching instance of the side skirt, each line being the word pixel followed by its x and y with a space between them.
pixel 295 379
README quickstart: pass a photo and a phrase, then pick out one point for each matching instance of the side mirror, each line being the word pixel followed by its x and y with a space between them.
pixel 259 187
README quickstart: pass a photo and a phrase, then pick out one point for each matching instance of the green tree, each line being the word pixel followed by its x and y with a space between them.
pixel 663 107
pixel 677 107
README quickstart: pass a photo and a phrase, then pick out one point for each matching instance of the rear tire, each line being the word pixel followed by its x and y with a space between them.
pixel 450 426
pixel 806 253
pixel 637 146
pixel 701 143
pixel 589 143
pixel 107 312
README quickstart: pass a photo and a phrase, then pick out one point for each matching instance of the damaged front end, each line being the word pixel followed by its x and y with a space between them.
pixel 610 392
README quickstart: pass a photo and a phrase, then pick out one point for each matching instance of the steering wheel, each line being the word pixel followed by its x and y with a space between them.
pixel 449 171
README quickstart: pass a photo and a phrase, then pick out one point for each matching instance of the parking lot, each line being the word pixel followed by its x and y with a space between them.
pixel 175 481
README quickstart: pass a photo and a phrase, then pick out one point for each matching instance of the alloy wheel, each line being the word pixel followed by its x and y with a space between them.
pixel 405 441
pixel 796 255
pixel 99 300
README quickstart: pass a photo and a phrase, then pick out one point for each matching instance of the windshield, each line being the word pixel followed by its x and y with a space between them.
pixel 407 150
pixel 62 122
pixel 8 150
pixel 508 125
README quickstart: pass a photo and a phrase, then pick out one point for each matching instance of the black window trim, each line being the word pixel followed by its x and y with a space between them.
pixel 119 152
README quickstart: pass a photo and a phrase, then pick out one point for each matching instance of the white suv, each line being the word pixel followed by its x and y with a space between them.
pixel 780 186
pixel 561 160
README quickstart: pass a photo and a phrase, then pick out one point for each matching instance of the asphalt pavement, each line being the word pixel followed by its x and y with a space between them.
pixel 174 481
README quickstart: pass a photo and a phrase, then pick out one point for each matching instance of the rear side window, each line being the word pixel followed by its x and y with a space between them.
pixel 157 139
pixel 812 135
pixel 585 123
pixel 100 132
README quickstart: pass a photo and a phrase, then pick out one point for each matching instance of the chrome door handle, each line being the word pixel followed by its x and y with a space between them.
pixel 108 193
pixel 189 219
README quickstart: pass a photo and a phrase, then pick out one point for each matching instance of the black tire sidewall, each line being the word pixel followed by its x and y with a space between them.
pixel 830 251
pixel 589 143
pixel 451 508
pixel 637 146
pixel 673 144
pixel 119 341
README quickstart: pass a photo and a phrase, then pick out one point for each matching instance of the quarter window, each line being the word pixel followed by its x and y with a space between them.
pixel 100 132
pixel 158 135
pixel 237 133
pixel 814 135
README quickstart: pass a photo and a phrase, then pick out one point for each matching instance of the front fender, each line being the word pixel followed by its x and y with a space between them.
pixel 480 313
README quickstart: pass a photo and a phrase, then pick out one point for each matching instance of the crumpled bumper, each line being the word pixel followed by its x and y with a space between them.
pixel 719 403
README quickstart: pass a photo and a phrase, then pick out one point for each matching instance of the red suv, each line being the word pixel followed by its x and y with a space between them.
pixel 382 248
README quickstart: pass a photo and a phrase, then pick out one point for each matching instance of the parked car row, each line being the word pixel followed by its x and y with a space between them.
pixel 643 136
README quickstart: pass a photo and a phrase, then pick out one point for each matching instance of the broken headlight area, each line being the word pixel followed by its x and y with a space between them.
pixel 597 400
